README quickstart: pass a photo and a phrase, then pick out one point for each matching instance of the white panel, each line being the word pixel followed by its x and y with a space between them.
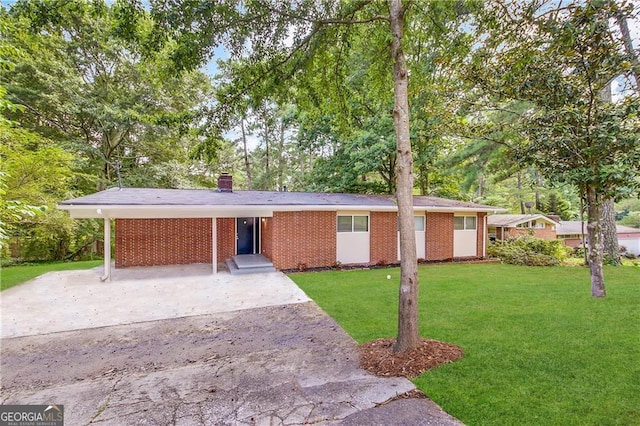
pixel 420 245
pixel 632 245
pixel 465 243
pixel 353 247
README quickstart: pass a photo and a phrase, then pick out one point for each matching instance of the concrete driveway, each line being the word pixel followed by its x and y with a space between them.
pixel 74 300
pixel 178 346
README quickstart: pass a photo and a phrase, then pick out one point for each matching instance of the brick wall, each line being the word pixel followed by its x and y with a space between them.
pixel 226 242
pixel 295 239
pixel 439 236
pixel 146 242
pixel 546 234
pixel 383 234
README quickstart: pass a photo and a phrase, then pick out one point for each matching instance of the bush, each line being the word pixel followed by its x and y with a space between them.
pixel 530 251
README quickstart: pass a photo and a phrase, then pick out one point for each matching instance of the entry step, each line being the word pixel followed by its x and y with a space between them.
pixel 249 264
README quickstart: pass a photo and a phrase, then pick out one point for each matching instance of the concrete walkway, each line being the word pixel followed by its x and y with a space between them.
pixel 179 346
pixel 74 300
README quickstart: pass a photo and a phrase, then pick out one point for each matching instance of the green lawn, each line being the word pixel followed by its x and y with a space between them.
pixel 14 275
pixel 538 348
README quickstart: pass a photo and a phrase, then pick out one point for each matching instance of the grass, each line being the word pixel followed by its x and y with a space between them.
pixel 538 348
pixel 11 276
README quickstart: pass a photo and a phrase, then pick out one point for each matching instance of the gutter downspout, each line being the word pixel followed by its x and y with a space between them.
pixel 486 236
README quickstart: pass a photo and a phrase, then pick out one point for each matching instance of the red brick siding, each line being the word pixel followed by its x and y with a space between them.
pixel 383 234
pixel 296 239
pixel 546 234
pixel 147 242
pixel 226 238
pixel 439 236
pixel 481 235
pixel 266 236
pixel 572 242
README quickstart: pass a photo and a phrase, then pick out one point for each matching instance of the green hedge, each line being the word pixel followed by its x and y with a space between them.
pixel 530 251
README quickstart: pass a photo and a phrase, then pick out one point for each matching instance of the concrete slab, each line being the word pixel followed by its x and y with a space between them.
pixel 279 365
pixel 73 300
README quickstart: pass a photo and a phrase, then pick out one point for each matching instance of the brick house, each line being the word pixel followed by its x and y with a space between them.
pixel 504 226
pixel 288 230
pixel 574 233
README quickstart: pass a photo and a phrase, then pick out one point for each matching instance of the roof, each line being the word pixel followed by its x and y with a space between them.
pixel 574 227
pixel 262 203
pixel 513 220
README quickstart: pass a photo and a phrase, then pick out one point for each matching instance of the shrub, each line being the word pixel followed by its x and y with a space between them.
pixel 530 251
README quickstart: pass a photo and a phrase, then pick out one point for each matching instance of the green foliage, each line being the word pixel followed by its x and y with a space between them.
pixel 628 212
pixel 530 251
pixel 555 205
pixel 533 353
pixel 560 63
pixel 84 83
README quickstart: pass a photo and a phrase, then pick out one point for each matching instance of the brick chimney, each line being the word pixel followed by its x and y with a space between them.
pixel 225 183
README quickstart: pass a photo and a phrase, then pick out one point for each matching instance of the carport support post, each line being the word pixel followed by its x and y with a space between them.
pixel 107 250
pixel 214 245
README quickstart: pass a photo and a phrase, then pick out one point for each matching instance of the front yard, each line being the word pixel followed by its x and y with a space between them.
pixel 538 348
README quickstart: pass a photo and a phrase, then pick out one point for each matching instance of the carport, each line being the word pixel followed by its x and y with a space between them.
pixel 70 300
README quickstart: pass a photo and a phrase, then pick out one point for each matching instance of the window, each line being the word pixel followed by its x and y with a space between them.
pixel 345 223
pixel 532 224
pixel 464 223
pixel 360 223
pixel 418 223
pixel 353 223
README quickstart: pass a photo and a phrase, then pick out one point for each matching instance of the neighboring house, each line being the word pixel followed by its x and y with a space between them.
pixel 291 229
pixel 505 226
pixel 574 231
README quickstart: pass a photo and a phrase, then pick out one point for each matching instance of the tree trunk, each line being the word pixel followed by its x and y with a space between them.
pixel 267 172
pixel 247 166
pixel 594 232
pixel 408 334
pixel 280 177
pixel 610 233
pixel 519 177
pixel 538 185
pixel 628 46
pixel 423 179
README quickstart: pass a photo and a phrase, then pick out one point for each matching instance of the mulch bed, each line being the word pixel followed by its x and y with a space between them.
pixel 377 357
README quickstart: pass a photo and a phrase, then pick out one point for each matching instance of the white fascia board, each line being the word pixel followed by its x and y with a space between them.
pixel 187 211
pixel 533 217
pixel 141 212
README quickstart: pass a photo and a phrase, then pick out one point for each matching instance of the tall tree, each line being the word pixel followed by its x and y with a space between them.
pixel 278 40
pixel 559 59
pixel 83 82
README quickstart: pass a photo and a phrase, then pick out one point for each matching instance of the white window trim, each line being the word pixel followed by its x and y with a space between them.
pixel 353 215
pixel 464 222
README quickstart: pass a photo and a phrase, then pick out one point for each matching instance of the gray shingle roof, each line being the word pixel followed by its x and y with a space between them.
pixel 208 197
pixel 512 220
pixel 574 227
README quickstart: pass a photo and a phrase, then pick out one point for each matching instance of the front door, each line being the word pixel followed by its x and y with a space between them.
pixel 247 235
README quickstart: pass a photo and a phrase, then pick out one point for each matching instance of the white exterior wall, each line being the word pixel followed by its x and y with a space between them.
pixel 632 245
pixel 353 247
pixel 465 243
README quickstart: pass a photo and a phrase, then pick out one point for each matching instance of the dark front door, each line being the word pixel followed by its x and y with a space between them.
pixel 247 234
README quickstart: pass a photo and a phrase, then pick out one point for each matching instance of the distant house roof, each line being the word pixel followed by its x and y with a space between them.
pixel 574 227
pixel 513 220
pixel 258 202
